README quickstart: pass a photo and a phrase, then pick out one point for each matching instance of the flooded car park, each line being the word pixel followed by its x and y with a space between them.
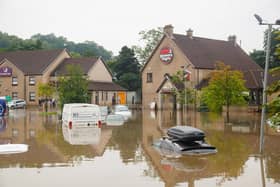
pixel 124 156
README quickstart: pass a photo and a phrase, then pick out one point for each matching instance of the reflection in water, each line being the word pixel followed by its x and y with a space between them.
pixel 236 141
pixel 124 155
pixel 81 135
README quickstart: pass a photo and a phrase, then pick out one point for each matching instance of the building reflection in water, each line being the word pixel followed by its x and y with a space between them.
pixel 237 142
pixel 236 161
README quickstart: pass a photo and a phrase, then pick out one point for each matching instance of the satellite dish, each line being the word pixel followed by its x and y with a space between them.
pixel 258 18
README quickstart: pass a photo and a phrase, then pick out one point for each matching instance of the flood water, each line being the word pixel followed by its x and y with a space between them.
pixel 124 156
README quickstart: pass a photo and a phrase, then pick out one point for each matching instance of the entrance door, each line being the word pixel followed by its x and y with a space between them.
pixel 97 98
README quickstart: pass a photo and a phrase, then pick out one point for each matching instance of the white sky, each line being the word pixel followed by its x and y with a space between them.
pixel 115 23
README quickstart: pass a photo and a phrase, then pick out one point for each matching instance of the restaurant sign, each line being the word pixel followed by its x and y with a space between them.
pixel 166 55
pixel 5 71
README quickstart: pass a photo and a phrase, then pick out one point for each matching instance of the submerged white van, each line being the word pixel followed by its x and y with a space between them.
pixel 76 115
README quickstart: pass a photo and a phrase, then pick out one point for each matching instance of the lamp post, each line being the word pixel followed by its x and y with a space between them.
pixel 260 20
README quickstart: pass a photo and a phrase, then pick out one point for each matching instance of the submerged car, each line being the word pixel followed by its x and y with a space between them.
pixel 114 120
pixel 184 140
pixel 122 110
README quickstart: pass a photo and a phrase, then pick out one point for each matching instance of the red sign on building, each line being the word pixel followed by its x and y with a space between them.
pixel 166 55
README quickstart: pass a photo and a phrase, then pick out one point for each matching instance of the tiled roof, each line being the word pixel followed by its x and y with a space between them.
pixel 104 86
pixel 204 53
pixel 31 62
pixel 85 64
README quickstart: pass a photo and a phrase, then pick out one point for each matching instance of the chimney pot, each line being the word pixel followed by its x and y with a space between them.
pixel 190 33
pixel 168 30
pixel 232 39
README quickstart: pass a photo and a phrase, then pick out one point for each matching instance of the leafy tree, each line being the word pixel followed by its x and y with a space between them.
pixel 126 69
pixel 150 39
pixel 186 95
pixel 274 105
pixel 259 55
pixel 45 91
pixel 73 87
pixel 225 88
pixel 50 41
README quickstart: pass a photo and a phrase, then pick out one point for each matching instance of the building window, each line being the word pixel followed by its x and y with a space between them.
pixel 106 96
pixel 14 81
pixel 31 80
pixel 102 96
pixel 14 95
pixel 31 96
pixel 149 77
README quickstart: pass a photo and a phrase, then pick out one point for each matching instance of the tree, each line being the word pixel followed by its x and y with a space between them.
pixel 126 69
pixel 259 55
pixel 73 87
pixel 225 88
pixel 45 91
pixel 186 95
pixel 150 39
pixel 274 105
pixel 50 41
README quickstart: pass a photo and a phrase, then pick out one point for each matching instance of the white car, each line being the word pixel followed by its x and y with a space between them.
pixel 16 103
pixel 122 110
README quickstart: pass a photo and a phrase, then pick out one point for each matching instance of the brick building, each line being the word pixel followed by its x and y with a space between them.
pixel 22 71
pixel 197 56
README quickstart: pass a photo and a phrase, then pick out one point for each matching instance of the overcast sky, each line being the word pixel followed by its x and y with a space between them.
pixel 115 23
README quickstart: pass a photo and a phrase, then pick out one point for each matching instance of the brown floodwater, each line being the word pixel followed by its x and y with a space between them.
pixel 124 155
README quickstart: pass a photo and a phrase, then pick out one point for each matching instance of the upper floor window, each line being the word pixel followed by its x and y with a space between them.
pixel 31 80
pixel 14 81
pixel 149 77
pixel 32 96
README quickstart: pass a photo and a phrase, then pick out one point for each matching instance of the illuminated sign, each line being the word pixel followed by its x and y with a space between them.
pixel 5 71
pixel 166 55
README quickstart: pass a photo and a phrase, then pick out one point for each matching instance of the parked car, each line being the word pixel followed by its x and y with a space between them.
pixel 77 115
pixel 16 103
pixel 122 110
pixel 104 110
pixel 114 120
pixel 184 140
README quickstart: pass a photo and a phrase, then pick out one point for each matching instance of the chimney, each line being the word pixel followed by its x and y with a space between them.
pixel 168 30
pixel 190 33
pixel 232 39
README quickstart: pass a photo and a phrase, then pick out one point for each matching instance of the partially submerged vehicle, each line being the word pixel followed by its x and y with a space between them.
pixel 114 120
pixel 184 140
pixel 81 114
pixel 13 148
pixel 122 110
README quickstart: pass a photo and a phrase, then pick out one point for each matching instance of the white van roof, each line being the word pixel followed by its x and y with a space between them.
pixel 80 104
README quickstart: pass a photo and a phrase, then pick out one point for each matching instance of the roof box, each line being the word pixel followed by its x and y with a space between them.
pixel 186 134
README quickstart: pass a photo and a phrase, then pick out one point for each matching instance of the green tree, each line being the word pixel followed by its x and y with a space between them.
pixel 274 105
pixel 259 55
pixel 45 91
pixel 150 39
pixel 225 88
pixel 126 69
pixel 73 87
pixel 50 41
pixel 185 95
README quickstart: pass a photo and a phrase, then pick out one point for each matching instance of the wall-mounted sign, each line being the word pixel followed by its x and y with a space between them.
pixel 5 71
pixel 166 55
